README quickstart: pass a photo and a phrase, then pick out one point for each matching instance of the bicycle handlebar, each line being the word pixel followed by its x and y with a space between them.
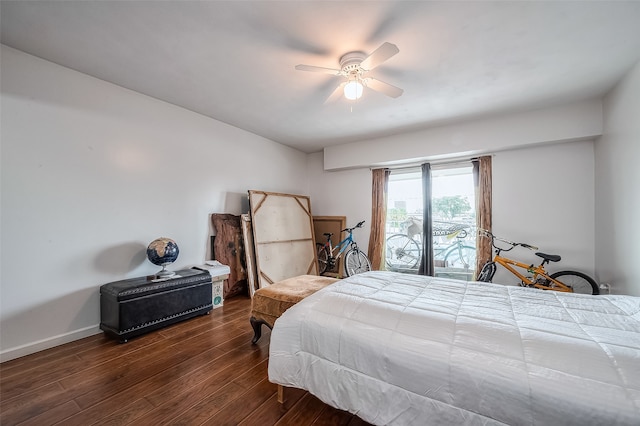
pixel 359 225
pixel 486 233
pixel 461 233
pixel 529 246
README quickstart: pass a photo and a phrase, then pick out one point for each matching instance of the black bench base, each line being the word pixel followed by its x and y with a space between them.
pixel 129 308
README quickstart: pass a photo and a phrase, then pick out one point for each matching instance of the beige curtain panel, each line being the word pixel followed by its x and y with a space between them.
pixel 482 181
pixel 380 185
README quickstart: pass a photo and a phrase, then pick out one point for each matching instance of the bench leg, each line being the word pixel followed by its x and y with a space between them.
pixel 257 328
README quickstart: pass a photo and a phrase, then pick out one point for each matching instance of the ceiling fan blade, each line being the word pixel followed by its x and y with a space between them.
pixel 318 69
pixel 336 93
pixel 382 87
pixel 380 55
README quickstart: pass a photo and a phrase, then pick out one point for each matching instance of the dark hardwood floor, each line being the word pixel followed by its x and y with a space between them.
pixel 201 371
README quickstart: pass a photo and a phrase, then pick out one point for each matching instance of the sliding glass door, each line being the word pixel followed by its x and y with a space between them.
pixel 453 221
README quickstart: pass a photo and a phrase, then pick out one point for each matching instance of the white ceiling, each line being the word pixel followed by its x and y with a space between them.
pixel 234 60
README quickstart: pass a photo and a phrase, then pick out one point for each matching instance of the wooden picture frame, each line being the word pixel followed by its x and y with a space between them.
pixel 332 224
pixel 249 253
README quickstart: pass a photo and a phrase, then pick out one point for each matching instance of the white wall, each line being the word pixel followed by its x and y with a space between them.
pixel 617 191
pixel 91 173
pixel 346 193
pixel 544 196
pixel 565 123
pixel 556 197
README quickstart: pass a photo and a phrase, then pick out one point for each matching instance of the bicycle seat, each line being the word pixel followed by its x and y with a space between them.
pixel 327 234
pixel 549 257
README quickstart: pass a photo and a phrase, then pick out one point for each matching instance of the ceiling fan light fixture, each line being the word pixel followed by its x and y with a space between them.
pixel 354 67
pixel 353 90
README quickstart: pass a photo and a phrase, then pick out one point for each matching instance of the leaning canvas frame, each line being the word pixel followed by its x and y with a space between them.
pixel 283 236
pixel 332 224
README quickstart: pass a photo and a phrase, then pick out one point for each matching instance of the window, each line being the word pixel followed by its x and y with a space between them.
pixel 453 221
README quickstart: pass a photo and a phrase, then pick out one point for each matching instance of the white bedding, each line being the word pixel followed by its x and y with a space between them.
pixel 409 350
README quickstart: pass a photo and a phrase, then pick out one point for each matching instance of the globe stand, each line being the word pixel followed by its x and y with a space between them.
pixel 165 273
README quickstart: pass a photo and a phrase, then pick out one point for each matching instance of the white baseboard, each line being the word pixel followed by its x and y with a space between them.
pixel 48 343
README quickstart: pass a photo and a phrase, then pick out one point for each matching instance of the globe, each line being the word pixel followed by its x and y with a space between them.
pixel 162 252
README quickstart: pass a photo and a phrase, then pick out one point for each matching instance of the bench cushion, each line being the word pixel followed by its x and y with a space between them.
pixel 270 302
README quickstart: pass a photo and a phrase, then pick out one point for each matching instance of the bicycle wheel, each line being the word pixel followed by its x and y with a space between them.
pixel 487 272
pixel 356 262
pixel 402 252
pixel 323 258
pixel 579 282
pixel 461 257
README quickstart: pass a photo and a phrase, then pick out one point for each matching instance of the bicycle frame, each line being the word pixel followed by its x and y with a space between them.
pixel 445 250
pixel 342 246
pixel 537 271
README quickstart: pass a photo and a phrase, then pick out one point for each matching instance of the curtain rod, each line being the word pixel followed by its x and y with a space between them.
pixel 436 163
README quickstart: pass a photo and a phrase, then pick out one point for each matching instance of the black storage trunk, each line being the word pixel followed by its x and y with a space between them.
pixel 135 306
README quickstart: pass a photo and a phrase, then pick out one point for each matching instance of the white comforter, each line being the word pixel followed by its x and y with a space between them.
pixel 409 350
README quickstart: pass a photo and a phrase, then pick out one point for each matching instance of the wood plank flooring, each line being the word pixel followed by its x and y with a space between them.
pixel 203 371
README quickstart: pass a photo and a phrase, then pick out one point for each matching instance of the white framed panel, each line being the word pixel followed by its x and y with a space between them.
pixel 283 236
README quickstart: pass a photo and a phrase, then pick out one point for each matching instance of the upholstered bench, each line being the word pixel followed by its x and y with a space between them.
pixel 270 302
pixel 135 306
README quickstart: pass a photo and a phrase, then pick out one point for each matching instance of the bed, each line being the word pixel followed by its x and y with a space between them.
pixel 404 349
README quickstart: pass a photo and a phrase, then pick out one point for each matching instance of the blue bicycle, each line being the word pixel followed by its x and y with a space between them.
pixel 355 261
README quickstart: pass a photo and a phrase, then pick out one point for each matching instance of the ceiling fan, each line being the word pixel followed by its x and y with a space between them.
pixel 354 67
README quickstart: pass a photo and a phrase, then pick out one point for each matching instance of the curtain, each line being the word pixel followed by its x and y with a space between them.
pixel 482 184
pixel 426 261
pixel 379 191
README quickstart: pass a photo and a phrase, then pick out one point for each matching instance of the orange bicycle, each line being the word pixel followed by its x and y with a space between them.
pixel 566 281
